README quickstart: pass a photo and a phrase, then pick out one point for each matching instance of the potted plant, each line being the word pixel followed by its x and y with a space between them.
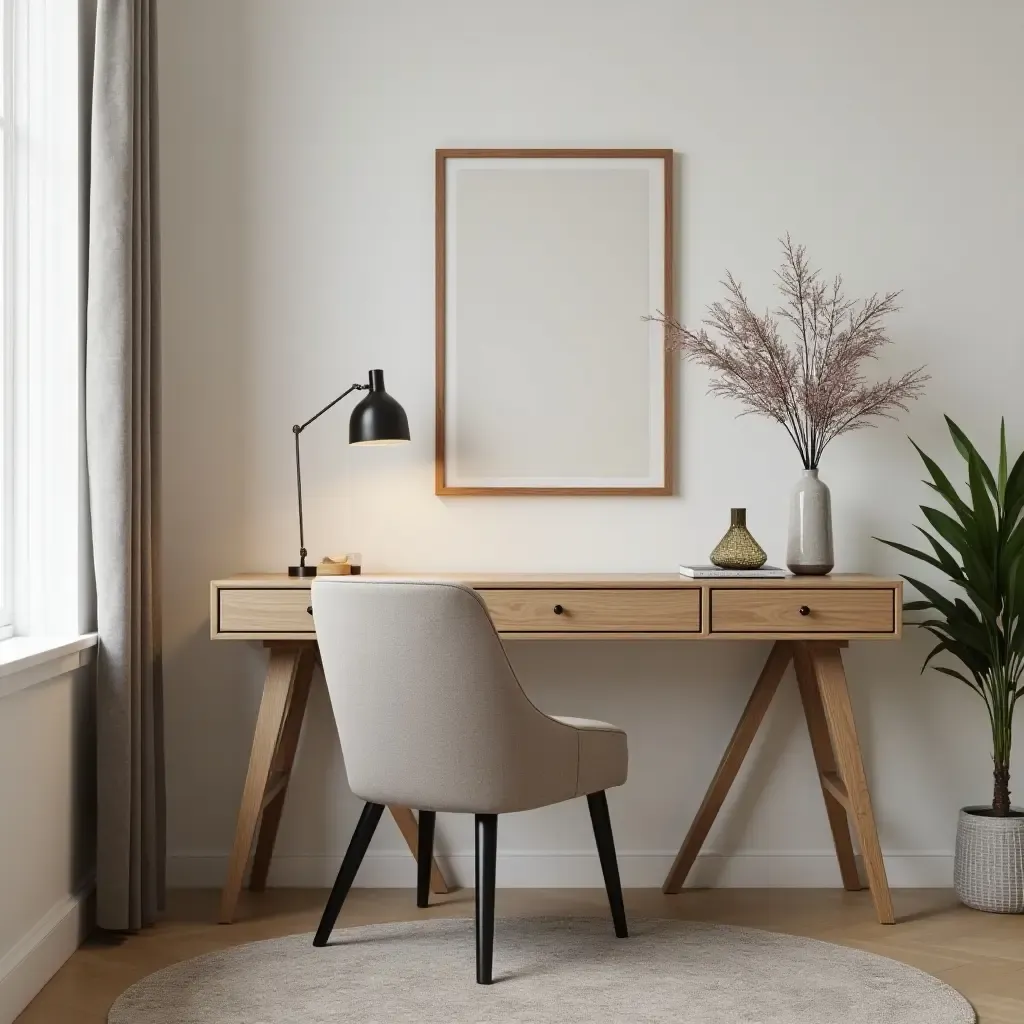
pixel 979 547
pixel 816 388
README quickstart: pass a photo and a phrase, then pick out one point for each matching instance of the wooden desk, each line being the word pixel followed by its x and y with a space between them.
pixel 810 619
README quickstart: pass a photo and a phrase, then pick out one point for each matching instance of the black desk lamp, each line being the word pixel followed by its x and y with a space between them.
pixel 377 419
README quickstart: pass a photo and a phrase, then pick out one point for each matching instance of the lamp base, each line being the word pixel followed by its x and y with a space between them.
pixel 302 570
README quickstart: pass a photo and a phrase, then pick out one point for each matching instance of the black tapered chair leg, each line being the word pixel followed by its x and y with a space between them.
pixel 424 857
pixel 486 860
pixel 602 823
pixel 349 866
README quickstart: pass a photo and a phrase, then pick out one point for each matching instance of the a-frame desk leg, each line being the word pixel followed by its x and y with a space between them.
pixel 824 759
pixel 750 721
pixel 851 787
pixel 829 713
pixel 282 709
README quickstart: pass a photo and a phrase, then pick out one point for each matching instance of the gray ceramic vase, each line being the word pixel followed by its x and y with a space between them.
pixel 809 550
pixel 988 869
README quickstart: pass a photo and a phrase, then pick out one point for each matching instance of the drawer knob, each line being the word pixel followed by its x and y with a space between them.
pixel 558 609
pixel 804 610
pixel 309 610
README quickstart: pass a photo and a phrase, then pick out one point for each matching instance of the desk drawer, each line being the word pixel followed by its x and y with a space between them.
pixel 814 610
pixel 594 611
pixel 265 610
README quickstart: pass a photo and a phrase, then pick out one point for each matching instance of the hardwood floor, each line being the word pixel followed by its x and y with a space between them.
pixel 981 955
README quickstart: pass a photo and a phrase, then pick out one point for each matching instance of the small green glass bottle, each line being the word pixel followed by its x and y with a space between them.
pixel 737 549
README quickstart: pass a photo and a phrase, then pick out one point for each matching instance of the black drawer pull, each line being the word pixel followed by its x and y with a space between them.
pixel 309 610
pixel 558 609
pixel 804 610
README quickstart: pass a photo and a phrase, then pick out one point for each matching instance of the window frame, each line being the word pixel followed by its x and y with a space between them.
pixel 8 509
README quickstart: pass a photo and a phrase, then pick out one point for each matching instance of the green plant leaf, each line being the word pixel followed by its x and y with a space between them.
pixel 913 552
pixel 976 556
pixel 963 629
pixel 949 563
pixel 941 483
pixel 957 630
pixel 938 601
pixel 975 661
pixel 965 448
pixel 957 675
pixel 984 515
pixel 917 606
pixel 1011 514
pixel 1014 546
pixel 945 562
pixel 951 531
pixel 942 645
pixel 1013 619
pixel 1001 478
pixel 968 545
pixel 1015 485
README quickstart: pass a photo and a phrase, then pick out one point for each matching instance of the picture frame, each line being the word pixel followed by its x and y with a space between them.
pixel 549 381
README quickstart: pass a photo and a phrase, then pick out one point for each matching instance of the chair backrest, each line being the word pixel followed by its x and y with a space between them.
pixel 429 711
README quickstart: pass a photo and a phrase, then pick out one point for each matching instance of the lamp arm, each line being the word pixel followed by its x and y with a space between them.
pixel 297 429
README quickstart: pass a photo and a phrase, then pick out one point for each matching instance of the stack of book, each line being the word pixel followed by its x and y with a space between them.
pixel 712 572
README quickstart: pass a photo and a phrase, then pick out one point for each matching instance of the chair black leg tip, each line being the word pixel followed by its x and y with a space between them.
pixel 598 803
pixel 484 981
pixel 423 904
pixel 349 866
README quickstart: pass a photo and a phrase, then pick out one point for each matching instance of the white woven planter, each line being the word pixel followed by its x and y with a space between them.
pixel 988 870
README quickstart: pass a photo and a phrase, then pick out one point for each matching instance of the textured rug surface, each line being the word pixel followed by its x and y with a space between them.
pixel 557 970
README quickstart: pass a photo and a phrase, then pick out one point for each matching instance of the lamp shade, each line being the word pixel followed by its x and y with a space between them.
pixel 378 418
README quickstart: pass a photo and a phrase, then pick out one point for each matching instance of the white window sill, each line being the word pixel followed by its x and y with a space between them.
pixel 27 660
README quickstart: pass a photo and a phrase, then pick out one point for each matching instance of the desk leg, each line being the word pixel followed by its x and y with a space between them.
pixel 851 784
pixel 287 664
pixel 278 725
pixel 280 774
pixel 732 759
pixel 408 826
pixel 824 759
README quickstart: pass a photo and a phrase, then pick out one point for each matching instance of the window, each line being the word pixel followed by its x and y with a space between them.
pixel 6 323
pixel 41 317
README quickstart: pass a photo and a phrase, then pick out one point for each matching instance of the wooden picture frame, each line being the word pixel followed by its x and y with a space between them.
pixel 555 251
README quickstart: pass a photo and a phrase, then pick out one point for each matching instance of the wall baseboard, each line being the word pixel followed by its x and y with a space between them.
pixel 519 869
pixel 39 954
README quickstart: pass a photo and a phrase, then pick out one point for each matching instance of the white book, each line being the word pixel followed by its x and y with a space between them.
pixel 711 572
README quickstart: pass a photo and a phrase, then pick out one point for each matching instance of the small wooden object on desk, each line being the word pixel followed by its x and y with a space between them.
pixel 334 567
pixel 809 618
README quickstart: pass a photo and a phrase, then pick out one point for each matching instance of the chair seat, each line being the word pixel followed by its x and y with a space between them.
pixel 603 755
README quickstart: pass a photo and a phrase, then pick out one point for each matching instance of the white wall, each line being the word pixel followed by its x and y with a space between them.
pixel 47 838
pixel 298 212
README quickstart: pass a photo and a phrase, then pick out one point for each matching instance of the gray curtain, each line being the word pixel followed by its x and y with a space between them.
pixel 122 393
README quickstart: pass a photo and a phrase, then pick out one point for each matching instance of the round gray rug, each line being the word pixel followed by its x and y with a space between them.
pixel 558 970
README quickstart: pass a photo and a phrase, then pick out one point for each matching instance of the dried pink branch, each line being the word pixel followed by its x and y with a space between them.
pixel 816 388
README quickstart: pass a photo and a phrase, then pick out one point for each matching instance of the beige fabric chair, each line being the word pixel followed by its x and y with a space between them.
pixel 431 716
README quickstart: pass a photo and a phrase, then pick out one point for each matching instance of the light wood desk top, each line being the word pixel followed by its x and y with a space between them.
pixel 597 580
pixel 810 618
pixel 269 606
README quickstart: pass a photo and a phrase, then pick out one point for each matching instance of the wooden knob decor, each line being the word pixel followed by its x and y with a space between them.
pixel 337 566
pixel 804 610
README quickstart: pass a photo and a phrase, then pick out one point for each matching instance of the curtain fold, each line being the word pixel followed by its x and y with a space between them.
pixel 122 398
